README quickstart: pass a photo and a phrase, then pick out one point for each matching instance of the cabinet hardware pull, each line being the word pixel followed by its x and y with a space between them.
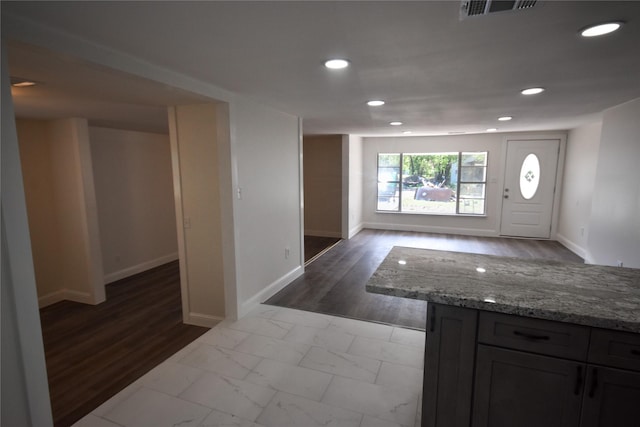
pixel 579 380
pixel 433 319
pixel 635 352
pixel 594 383
pixel 531 336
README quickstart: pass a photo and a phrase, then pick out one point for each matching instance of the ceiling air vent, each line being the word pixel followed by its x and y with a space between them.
pixel 483 7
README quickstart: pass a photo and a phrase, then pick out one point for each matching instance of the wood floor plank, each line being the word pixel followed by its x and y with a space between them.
pixel 335 282
pixel 93 352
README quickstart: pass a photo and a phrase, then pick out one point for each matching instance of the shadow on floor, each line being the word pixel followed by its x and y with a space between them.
pixel 315 246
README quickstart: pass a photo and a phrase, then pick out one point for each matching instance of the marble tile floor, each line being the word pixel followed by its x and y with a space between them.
pixel 279 367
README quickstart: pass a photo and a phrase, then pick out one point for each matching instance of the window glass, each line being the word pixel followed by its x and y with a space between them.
pixel 471 206
pixel 427 184
pixel 446 183
pixel 388 182
pixel 473 174
pixel 529 176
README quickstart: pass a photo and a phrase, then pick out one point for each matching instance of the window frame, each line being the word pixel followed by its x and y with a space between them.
pixel 459 182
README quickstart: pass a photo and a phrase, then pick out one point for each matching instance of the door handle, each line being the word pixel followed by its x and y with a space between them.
pixel 532 337
pixel 579 380
pixel 594 383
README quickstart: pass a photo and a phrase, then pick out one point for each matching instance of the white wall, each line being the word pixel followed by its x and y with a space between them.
pixel 578 182
pixel 77 216
pixel 353 159
pixel 15 408
pixel 269 214
pixel 614 225
pixel 194 145
pixel 322 168
pixel 134 190
pixel 25 394
pixel 227 174
pixel 35 156
pixel 62 210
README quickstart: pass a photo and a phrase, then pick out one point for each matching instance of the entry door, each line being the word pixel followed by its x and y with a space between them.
pixel 529 186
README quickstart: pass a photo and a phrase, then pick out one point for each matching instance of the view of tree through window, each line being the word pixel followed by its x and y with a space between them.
pixel 432 183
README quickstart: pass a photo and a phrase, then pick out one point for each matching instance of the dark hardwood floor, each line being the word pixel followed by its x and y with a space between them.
pixel 335 282
pixel 93 352
pixel 315 245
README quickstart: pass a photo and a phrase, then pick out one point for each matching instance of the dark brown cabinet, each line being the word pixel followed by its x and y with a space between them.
pixel 526 390
pixel 527 372
pixel 449 366
pixel 612 398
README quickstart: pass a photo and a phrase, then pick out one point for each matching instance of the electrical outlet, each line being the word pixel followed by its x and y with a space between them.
pixel 287 252
pixel 582 231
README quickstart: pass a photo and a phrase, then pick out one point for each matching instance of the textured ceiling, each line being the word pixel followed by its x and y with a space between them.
pixel 437 73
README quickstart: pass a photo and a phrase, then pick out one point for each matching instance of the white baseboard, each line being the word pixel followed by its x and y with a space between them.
pixel 355 230
pixel 573 247
pixel 269 291
pixel 432 229
pixel 65 294
pixel 204 320
pixel 139 268
pixel 322 233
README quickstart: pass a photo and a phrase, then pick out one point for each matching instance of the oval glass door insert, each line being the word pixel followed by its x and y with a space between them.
pixel 529 176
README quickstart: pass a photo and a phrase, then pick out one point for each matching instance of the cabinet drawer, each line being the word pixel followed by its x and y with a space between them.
pixel 617 349
pixel 534 335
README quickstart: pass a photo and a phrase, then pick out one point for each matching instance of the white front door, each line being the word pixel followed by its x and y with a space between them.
pixel 529 186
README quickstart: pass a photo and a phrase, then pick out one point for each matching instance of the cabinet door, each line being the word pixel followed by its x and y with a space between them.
pixel 526 390
pixel 449 362
pixel 612 398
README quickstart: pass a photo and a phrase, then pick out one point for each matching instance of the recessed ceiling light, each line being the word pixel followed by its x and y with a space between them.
pixel 336 64
pixel 505 118
pixel 600 29
pixel 492 130
pixel 20 82
pixel 375 103
pixel 396 123
pixel 406 132
pixel 532 91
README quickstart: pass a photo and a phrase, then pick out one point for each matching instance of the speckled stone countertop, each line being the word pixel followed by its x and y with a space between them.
pixel 599 296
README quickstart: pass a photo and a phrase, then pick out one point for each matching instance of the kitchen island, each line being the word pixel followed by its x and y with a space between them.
pixel 514 342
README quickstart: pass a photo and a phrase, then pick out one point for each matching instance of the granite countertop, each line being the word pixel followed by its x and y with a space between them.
pixel 591 295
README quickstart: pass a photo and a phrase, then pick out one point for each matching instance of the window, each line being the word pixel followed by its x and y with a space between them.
pixel 529 176
pixel 432 183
